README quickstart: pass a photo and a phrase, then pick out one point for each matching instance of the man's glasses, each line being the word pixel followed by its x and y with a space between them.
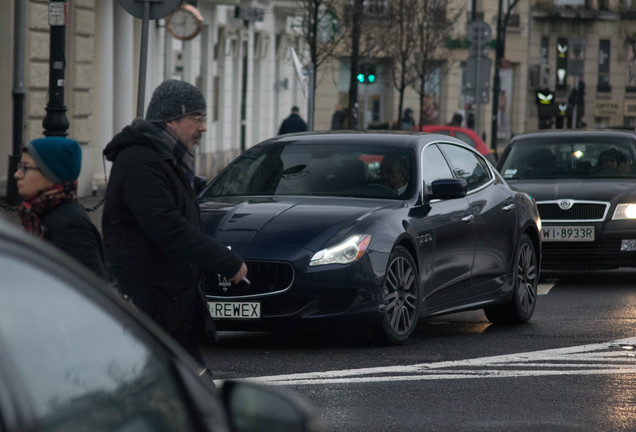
pixel 23 169
pixel 199 118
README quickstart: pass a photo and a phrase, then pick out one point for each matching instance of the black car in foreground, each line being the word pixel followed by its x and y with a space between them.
pixel 370 229
pixel 584 183
pixel 75 357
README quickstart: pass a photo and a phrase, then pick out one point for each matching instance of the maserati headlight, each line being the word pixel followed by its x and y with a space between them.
pixel 348 251
pixel 625 211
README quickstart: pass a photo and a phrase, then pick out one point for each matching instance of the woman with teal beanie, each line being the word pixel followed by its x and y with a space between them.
pixel 47 180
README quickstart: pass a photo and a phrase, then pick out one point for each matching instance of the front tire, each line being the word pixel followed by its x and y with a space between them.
pixel 524 298
pixel 400 295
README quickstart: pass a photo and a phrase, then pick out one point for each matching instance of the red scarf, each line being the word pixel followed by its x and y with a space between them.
pixel 35 207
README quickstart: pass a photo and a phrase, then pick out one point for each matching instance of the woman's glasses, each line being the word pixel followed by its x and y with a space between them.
pixel 23 169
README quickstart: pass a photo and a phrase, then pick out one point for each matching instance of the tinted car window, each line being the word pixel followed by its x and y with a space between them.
pixel 83 369
pixel 569 159
pixel 467 165
pixel 434 167
pixel 338 169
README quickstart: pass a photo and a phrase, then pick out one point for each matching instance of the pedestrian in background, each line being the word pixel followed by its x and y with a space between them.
pixel 293 123
pixel 469 116
pixel 47 180
pixel 338 118
pixel 408 123
pixel 456 120
pixel 150 221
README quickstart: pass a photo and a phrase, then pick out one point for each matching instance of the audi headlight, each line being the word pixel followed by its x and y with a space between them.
pixel 625 211
pixel 348 251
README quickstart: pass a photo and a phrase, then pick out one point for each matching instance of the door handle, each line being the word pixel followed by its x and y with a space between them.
pixel 468 218
pixel 508 207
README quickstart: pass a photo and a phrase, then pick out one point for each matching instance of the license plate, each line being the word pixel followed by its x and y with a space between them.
pixel 241 310
pixel 568 233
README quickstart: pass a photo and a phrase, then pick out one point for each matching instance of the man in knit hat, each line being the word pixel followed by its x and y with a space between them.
pixel 150 221
pixel 47 180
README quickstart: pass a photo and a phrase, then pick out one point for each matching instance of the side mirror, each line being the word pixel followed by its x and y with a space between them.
pixel 200 183
pixel 448 189
pixel 252 407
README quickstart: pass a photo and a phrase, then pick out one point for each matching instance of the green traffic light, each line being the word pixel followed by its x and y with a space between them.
pixel 371 78
pixel 361 77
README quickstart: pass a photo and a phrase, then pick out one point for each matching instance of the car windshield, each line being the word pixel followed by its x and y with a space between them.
pixel 325 169
pixel 545 159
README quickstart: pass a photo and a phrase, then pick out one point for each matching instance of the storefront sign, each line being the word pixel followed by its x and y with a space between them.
pixel 607 109
pixel 629 108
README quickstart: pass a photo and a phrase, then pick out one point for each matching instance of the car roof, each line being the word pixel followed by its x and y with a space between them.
pixel 400 139
pixel 427 128
pixel 574 134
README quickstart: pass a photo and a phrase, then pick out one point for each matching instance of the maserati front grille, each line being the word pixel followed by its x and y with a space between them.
pixel 266 277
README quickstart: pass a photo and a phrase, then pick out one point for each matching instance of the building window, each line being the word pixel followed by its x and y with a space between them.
pixel 631 67
pixel 603 84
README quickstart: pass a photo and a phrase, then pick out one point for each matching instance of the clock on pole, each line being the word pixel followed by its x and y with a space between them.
pixel 184 22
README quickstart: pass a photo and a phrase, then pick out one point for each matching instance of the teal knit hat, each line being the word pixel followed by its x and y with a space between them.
pixel 59 158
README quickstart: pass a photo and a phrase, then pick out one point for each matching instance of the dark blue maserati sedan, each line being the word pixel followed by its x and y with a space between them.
pixel 374 230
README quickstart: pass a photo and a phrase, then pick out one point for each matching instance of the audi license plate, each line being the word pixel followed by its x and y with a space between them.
pixel 241 310
pixel 568 233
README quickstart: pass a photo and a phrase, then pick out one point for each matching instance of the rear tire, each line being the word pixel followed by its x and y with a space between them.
pixel 400 295
pixel 524 298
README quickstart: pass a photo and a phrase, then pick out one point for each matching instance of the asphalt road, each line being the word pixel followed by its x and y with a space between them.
pixel 572 368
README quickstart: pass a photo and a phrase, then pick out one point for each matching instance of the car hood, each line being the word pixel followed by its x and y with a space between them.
pixel 288 223
pixel 578 189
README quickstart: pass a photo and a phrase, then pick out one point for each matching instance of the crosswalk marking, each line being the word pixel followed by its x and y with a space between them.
pixel 615 357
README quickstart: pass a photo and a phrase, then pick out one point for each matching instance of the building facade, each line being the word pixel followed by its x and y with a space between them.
pixel 242 61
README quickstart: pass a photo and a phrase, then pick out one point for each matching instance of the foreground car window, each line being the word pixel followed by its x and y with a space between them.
pixel 83 370
pixel 468 166
pixel 338 169
pixel 570 159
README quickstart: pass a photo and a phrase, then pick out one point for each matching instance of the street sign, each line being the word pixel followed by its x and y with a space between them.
pixel 476 85
pixel 479 34
pixel 146 10
pixel 158 8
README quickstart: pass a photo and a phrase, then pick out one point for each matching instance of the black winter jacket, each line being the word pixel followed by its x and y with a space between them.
pixel 293 123
pixel 150 221
pixel 69 228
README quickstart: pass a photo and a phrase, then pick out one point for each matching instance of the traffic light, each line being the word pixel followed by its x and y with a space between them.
pixel 366 74
pixel 546 108
pixel 563 111
pixel 370 74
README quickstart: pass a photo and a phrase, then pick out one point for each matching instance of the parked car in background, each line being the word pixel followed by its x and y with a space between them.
pixel 466 135
pixel 329 234
pixel 585 187
pixel 75 357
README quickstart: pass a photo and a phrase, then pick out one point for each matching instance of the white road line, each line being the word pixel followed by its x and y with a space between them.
pixel 544 288
pixel 615 357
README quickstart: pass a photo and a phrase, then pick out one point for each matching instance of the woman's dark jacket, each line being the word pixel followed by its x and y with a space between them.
pixel 69 228
pixel 150 221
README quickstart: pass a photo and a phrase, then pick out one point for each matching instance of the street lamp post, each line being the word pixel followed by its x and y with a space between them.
pixel 12 197
pixel 55 122
pixel 500 43
pixel 496 84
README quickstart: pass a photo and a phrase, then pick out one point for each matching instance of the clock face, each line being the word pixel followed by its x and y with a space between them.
pixel 184 22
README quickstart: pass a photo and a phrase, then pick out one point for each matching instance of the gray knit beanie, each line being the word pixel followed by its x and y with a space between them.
pixel 174 99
